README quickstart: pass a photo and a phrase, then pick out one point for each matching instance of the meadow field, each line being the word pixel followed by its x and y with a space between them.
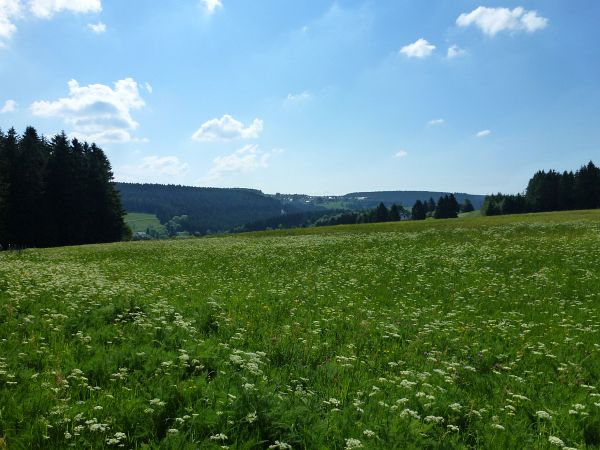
pixel 466 333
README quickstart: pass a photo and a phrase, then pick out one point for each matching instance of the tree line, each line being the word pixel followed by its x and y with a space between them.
pixel 56 192
pixel 379 214
pixel 550 191
pixel 447 207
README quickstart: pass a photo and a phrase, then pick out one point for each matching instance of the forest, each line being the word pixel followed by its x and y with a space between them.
pixel 550 191
pixel 56 192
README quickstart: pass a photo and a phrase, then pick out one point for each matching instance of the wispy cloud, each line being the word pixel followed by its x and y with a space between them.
pixel 491 21
pixel 455 51
pixel 483 133
pixel 97 28
pixel 164 165
pixel 298 98
pixel 8 107
pixel 246 159
pixel 436 122
pixel 227 128
pixel 400 154
pixel 418 49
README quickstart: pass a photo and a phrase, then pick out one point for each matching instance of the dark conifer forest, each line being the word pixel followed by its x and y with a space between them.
pixel 56 192
pixel 550 191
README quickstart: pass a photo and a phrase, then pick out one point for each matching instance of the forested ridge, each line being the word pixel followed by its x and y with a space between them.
pixel 207 209
pixel 550 191
pixel 56 192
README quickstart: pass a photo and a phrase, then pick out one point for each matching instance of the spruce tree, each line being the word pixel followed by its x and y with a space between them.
pixel 419 211
pixel 394 215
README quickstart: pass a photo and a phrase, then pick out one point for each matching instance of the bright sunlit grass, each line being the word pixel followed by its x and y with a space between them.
pixel 478 333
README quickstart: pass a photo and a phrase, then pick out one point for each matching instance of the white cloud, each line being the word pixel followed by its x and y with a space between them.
pixel 246 159
pixel 227 128
pixel 164 165
pixel 483 133
pixel 47 8
pixel 211 5
pixel 455 51
pixel 9 106
pixel 436 122
pixel 9 10
pixel 419 49
pixel 298 98
pixel 97 28
pixel 148 87
pixel 494 20
pixel 400 154
pixel 96 112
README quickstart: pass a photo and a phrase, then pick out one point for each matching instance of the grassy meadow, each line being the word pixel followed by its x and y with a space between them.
pixel 467 333
pixel 142 222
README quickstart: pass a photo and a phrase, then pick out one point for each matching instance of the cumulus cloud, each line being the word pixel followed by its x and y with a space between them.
pixel 494 20
pixel 246 159
pixel 455 51
pixel 483 133
pixel 9 10
pixel 418 49
pixel 97 28
pixel 9 106
pixel 47 8
pixel 210 6
pixel 96 112
pixel 400 154
pixel 227 128
pixel 436 122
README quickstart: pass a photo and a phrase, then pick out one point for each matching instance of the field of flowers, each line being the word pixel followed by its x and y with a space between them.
pixel 474 333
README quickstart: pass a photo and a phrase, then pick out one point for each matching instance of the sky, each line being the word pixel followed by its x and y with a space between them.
pixel 314 96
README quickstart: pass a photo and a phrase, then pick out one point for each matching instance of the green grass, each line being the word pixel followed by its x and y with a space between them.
pixel 479 333
pixel 143 221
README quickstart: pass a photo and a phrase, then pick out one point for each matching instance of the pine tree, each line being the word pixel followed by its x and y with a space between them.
pixel 419 211
pixel 381 213
pixel 394 215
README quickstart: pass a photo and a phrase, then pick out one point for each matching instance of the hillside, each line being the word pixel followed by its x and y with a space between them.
pixel 219 209
pixel 464 333
pixel 208 208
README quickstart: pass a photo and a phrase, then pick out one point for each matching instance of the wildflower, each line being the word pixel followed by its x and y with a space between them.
pixel 497 426
pixel 453 428
pixel 353 443
pixel 280 445
pixel 218 437
pixel 251 417
pixel 556 441
pixel 543 415
pixel 369 433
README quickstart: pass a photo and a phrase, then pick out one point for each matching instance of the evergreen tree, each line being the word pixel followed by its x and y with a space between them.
pixel 381 213
pixel 430 205
pixel 394 215
pixel 419 211
pixel 11 201
pixel 587 187
pixel 467 206
pixel 27 190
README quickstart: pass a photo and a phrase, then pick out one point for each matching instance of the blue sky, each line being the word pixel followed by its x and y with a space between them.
pixel 316 97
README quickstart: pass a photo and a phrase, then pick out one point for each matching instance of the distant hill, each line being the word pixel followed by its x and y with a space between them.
pixel 404 198
pixel 219 209
pixel 368 200
pixel 213 209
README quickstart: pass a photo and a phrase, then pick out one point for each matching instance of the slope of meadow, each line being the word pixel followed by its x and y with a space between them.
pixel 469 333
